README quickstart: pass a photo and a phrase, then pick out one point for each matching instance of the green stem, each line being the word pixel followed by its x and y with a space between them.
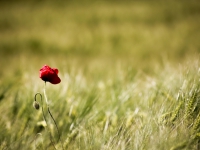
pixel 51 138
pixel 59 136
pixel 45 96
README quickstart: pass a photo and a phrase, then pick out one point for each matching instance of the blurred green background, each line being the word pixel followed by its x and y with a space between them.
pixel 137 30
pixel 96 38
pixel 131 56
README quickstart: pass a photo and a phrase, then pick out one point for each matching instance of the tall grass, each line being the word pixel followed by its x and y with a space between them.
pixel 119 109
pixel 129 71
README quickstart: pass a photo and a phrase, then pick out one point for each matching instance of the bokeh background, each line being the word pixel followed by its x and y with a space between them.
pixel 118 51
pixel 140 30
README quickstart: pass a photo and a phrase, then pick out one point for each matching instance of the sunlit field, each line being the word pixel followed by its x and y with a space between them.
pixel 130 75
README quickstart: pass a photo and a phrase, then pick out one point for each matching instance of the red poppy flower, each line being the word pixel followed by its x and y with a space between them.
pixel 48 74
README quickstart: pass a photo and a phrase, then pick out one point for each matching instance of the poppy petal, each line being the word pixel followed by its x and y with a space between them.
pixel 49 74
pixel 55 70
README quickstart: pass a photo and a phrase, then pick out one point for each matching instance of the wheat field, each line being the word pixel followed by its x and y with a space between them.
pixel 130 75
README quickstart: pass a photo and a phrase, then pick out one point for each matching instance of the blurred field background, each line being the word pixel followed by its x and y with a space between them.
pixel 129 71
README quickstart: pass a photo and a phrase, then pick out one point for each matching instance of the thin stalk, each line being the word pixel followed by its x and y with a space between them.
pixel 59 135
pixel 45 96
pixel 51 138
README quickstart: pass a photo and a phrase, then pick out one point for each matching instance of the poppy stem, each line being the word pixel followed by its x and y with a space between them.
pixel 45 94
pixel 59 135
pixel 51 138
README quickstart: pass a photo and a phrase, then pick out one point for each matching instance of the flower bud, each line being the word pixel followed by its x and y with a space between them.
pixel 36 105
